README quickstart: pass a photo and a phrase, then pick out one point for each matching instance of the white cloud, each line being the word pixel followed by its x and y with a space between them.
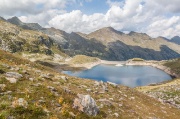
pixel 116 17
pixel 168 5
pixel 165 27
pixel 18 7
pixel 42 18
pixel 77 21
pixel 155 17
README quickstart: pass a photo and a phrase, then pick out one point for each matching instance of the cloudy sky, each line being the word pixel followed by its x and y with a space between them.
pixel 154 17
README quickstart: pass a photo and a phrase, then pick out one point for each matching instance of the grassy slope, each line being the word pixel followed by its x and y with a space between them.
pixel 174 65
pixel 133 103
pixel 168 91
pixel 81 59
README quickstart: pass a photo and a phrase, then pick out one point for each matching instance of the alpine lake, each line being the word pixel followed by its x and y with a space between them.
pixel 127 75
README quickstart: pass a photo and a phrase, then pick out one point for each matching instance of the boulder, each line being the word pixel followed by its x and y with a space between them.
pixel 12 80
pixel 14 75
pixel 19 102
pixel 86 104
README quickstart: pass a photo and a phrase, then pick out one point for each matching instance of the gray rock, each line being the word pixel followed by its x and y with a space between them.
pixel 113 84
pixel 116 114
pixel 2 87
pixel 86 104
pixel 67 90
pixel 14 75
pixel 64 78
pixel 19 102
pixel 31 79
pixel 105 87
pixel 46 77
pixel 96 83
pixel 105 102
pixel 88 90
pixel 12 80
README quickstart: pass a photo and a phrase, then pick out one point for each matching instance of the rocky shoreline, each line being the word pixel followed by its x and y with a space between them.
pixel 156 64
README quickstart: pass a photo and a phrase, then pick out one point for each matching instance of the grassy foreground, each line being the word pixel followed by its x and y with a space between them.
pixel 49 96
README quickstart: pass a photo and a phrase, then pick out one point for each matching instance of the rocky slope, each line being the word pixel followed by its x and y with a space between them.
pixel 167 92
pixel 30 90
pixel 110 44
pixel 30 44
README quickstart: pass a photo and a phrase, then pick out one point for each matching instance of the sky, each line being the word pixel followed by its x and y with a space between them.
pixel 154 17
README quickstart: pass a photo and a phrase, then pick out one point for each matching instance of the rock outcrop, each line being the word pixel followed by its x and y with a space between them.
pixel 86 104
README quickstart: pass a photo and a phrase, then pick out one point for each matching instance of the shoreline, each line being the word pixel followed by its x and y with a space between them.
pixel 155 64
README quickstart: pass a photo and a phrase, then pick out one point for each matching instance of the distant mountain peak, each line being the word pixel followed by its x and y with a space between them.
pixel 175 39
pixel 108 30
pixel 30 26
pixel 1 18
pixel 133 32
pixel 15 20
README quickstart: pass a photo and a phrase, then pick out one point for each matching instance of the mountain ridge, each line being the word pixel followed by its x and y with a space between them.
pixel 104 43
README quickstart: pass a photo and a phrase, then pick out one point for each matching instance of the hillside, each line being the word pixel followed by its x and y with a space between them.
pixel 110 44
pixel 30 44
pixel 30 90
pixel 167 92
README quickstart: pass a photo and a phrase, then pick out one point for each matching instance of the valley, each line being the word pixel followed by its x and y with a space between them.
pixel 32 84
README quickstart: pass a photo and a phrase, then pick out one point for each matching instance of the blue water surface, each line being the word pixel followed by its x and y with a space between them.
pixel 131 76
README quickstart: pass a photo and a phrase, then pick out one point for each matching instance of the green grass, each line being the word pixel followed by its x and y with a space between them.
pixel 174 65
pixel 137 59
pixel 81 59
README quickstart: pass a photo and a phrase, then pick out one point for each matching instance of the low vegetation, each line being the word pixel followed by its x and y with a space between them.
pixel 174 65
pixel 137 59
pixel 47 94
pixel 82 59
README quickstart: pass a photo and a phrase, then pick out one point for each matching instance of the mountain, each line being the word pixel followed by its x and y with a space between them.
pixel 108 43
pixel 31 44
pixel 175 39
pixel 29 26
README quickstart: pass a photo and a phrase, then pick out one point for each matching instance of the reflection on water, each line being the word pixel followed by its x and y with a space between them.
pixel 126 75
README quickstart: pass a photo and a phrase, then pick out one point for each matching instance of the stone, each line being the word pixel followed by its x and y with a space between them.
pixel 86 104
pixel 31 79
pixel 72 114
pixel 105 102
pixel 116 114
pixel 51 88
pixel 50 75
pixel 88 90
pixel 45 77
pixel 2 87
pixel 14 75
pixel 12 80
pixel 57 83
pixel 19 102
pixel 96 83
pixel 67 90
pixel 64 78
pixel 105 87
pixel 113 84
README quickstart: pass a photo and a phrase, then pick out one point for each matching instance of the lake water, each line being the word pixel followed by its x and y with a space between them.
pixel 131 76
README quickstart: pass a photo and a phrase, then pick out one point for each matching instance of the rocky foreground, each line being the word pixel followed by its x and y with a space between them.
pixel 30 90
